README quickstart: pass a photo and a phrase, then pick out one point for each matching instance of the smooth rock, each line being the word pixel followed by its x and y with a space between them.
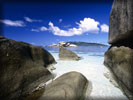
pixel 65 54
pixel 22 68
pixel 119 57
pixel 69 86
pixel 120 62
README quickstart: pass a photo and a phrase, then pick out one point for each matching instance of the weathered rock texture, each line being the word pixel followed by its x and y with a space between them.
pixel 120 61
pixel 69 86
pixel 22 68
pixel 119 57
pixel 65 54
pixel 121 21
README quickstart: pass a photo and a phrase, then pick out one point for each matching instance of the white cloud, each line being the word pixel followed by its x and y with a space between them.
pixel 60 20
pixel 89 25
pixel 86 25
pixel 31 20
pixel 57 31
pixel 43 28
pixel 104 28
pixel 13 23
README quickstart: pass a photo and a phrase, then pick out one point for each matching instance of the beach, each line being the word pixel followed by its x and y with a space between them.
pixel 91 66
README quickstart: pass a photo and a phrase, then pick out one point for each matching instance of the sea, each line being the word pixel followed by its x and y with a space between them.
pixel 92 67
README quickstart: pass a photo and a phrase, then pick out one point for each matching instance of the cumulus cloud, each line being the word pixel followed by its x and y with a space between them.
pixel 17 23
pixel 85 25
pixel 104 28
pixel 31 20
pixel 57 31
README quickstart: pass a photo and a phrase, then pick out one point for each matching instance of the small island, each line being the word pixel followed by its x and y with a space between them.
pixel 76 44
pixel 63 44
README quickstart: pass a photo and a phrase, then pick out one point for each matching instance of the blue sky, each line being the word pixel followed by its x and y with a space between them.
pixel 45 24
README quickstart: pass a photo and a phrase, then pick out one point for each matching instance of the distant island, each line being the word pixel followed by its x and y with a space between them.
pixel 75 44
pixel 78 43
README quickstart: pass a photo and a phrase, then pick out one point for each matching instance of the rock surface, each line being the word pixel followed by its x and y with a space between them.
pixel 120 61
pixel 65 54
pixel 69 86
pixel 121 21
pixel 119 57
pixel 22 68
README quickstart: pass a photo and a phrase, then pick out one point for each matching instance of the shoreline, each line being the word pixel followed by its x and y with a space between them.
pixel 93 69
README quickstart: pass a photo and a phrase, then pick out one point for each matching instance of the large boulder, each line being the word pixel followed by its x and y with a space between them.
pixel 119 57
pixel 120 62
pixel 65 54
pixel 121 21
pixel 22 68
pixel 69 86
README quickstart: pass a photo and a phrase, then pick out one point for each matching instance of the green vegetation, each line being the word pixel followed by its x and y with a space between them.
pixel 86 43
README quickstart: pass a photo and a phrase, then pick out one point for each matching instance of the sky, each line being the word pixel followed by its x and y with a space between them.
pixel 48 23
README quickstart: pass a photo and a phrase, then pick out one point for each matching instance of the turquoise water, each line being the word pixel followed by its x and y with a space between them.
pixel 81 49
pixel 91 66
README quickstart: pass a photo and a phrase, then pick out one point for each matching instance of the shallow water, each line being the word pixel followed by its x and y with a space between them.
pixel 92 67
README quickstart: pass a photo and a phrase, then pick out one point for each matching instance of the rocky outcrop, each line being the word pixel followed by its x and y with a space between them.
pixel 69 86
pixel 63 44
pixel 22 68
pixel 120 61
pixel 121 21
pixel 119 57
pixel 65 54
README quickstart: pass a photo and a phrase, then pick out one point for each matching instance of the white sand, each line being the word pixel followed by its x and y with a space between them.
pixel 92 67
